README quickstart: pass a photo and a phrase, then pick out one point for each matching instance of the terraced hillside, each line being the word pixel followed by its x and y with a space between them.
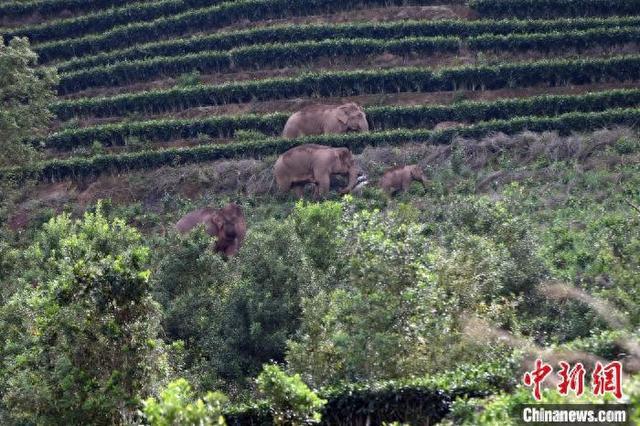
pixel 164 105
pixel 126 70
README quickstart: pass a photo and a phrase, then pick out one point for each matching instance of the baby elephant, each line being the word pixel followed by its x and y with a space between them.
pixel 226 224
pixel 399 178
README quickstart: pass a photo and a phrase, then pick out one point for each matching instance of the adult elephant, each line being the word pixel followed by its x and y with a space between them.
pixel 227 224
pixel 399 178
pixel 321 119
pixel 315 164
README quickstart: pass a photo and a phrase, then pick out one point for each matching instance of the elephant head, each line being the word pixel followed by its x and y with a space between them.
pixel 352 117
pixel 222 227
pixel 418 175
pixel 227 225
pixel 346 165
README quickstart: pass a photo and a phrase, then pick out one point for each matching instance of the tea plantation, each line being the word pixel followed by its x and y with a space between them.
pixel 426 307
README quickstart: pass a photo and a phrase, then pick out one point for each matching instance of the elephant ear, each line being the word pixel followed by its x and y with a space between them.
pixel 342 115
pixel 212 225
pixel 345 156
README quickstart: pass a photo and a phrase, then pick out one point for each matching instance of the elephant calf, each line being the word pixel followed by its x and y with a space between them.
pixel 310 163
pixel 227 224
pixel 399 178
pixel 321 119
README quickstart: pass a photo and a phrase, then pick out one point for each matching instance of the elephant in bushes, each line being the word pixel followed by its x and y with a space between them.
pixel 315 164
pixel 321 119
pixel 227 224
pixel 399 178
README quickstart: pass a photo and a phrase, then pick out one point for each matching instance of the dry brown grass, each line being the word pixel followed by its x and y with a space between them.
pixel 253 177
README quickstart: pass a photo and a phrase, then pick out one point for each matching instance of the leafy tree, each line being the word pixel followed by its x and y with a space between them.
pixel 236 315
pixel 26 93
pixel 80 335
pixel 399 308
pixel 317 227
pixel 9 259
pixel 263 308
pixel 505 409
pixel 191 283
pixel 177 405
pixel 290 399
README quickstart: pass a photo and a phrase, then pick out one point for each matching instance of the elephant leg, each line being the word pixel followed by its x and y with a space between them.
pixel 298 189
pixel 283 185
pixel 232 249
pixel 322 185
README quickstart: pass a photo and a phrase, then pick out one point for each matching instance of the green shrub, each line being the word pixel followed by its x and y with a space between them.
pixel 290 399
pixel 248 135
pixel 317 226
pixel 399 303
pixel 177 405
pixel 189 79
pixel 80 335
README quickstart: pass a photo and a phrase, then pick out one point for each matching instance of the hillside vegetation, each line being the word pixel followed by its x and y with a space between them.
pixel 119 117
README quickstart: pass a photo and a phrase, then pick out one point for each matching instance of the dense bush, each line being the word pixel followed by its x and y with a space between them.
pixel 80 334
pixel 234 316
pixel 399 304
pixel 416 400
pixel 26 93
pixel 177 405
pixel 608 272
pixel 290 399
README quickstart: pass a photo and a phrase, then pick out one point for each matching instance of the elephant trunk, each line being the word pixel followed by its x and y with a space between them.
pixel 353 180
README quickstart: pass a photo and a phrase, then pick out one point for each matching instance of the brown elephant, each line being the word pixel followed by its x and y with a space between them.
pixel 315 164
pixel 321 119
pixel 227 224
pixel 399 178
